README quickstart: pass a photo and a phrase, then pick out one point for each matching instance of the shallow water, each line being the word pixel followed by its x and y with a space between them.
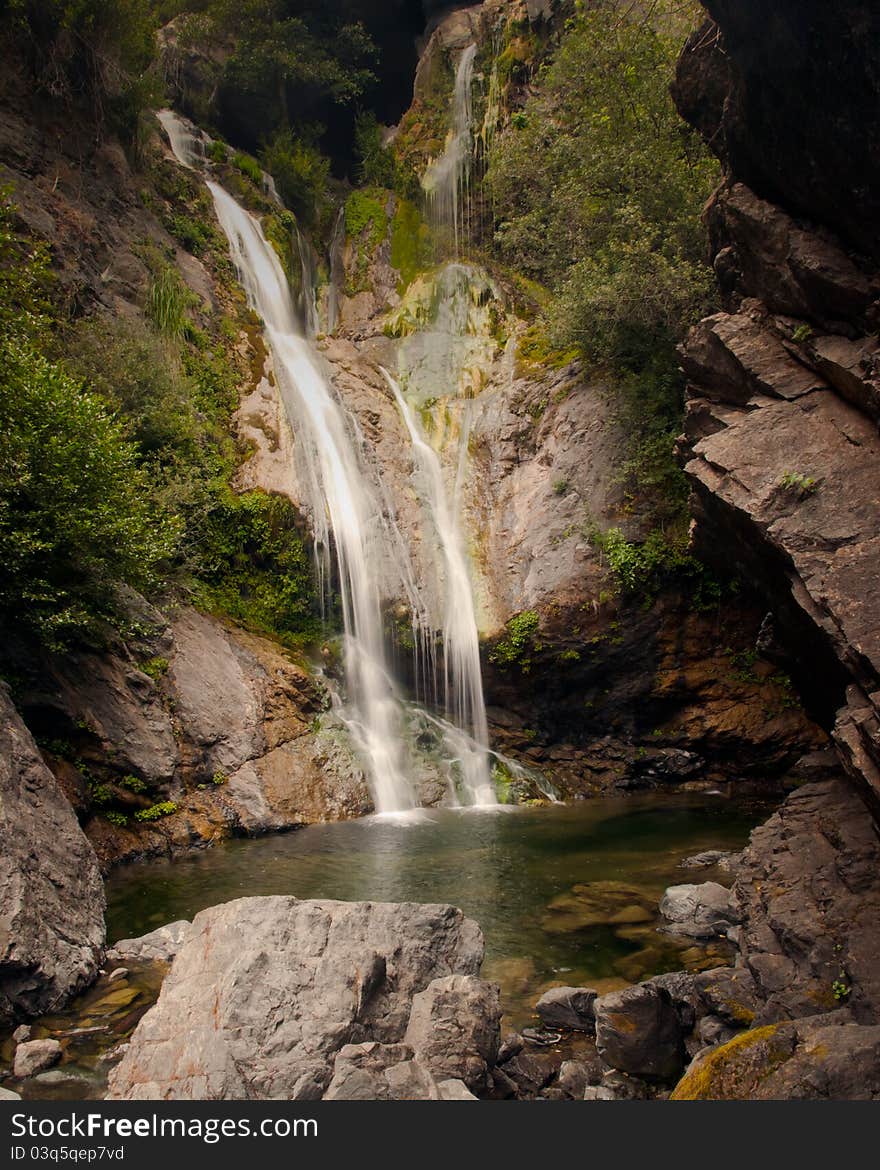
pixel 502 867
pixel 565 894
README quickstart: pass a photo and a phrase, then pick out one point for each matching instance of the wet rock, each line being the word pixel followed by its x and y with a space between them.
pixel 22 1033
pixel 708 858
pixel 683 990
pixel 801 1059
pixel 51 894
pixel 638 1032
pixel 160 945
pixel 575 1075
pixel 567 1007
pixel 701 912
pixel 454 1028
pixel 118 973
pixel 265 992
pixel 35 1055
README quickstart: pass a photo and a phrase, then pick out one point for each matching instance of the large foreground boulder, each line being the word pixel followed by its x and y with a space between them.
pixel 51 894
pixel 265 993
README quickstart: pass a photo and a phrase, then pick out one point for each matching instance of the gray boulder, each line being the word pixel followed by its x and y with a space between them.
pixel 455 1028
pixel 568 1007
pixel 380 1072
pixel 266 992
pixel 51 893
pixel 8 1095
pixel 700 912
pixel 638 1032
pixel 453 1090
pixel 35 1055
pixel 159 945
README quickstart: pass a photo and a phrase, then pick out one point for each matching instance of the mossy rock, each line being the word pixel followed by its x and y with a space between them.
pixel 735 1070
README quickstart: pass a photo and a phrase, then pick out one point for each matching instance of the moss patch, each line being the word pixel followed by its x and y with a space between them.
pixel 715 1074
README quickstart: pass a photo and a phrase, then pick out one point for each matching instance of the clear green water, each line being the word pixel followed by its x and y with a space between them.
pixel 503 868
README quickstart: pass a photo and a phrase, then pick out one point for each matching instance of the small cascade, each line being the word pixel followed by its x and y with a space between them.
pixel 462 677
pixel 447 181
pixel 188 143
pixel 337 271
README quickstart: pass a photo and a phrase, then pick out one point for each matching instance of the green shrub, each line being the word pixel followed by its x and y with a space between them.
pixel 515 648
pixel 155 812
pixel 116 818
pixel 155 668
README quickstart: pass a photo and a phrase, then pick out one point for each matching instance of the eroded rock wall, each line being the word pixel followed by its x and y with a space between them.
pixel 781 442
pixel 51 894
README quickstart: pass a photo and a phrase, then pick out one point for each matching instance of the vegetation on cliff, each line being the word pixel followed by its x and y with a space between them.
pixel 597 189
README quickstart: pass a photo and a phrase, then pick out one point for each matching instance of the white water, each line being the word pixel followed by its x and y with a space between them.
pixel 348 514
pixel 463 683
pixel 447 181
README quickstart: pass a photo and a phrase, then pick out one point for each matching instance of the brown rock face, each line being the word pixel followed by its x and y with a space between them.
pixel 781 441
pixel 52 898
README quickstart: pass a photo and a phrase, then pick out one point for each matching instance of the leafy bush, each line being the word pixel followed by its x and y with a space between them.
pixel 301 174
pixel 155 812
pixel 518 642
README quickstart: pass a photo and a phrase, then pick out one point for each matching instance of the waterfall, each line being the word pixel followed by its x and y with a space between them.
pixel 349 515
pixel 447 181
pixel 463 682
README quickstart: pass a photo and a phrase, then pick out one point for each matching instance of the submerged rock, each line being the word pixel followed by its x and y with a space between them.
pixel 701 912
pixel 265 993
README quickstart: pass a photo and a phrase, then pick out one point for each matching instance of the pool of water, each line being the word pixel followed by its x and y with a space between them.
pixel 564 894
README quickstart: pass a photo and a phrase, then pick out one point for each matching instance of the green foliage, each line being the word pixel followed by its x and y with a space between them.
pixel 133 784
pixel 799 484
pixel 840 989
pixel 802 334
pixel 76 512
pixel 119 819
pixel 366 224
pixel 411 246
pixel 219 779
pixel 155 668
pixel 167 301
pixel 249 167
pixel 155 812
pixel 97 51
pixel 254 565
pixel 376 166
pixel 515 648
pixel 598 189
pixel 301 174
pixel 561 486
pixel 640 569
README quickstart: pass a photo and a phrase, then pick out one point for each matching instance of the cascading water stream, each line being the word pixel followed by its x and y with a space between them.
pixel 342 495
pixel 447 182
pixel 463 683
pixel 348 515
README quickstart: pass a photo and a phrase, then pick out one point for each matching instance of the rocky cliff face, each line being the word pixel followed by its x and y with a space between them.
pixel 781 442
pixel 52 897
